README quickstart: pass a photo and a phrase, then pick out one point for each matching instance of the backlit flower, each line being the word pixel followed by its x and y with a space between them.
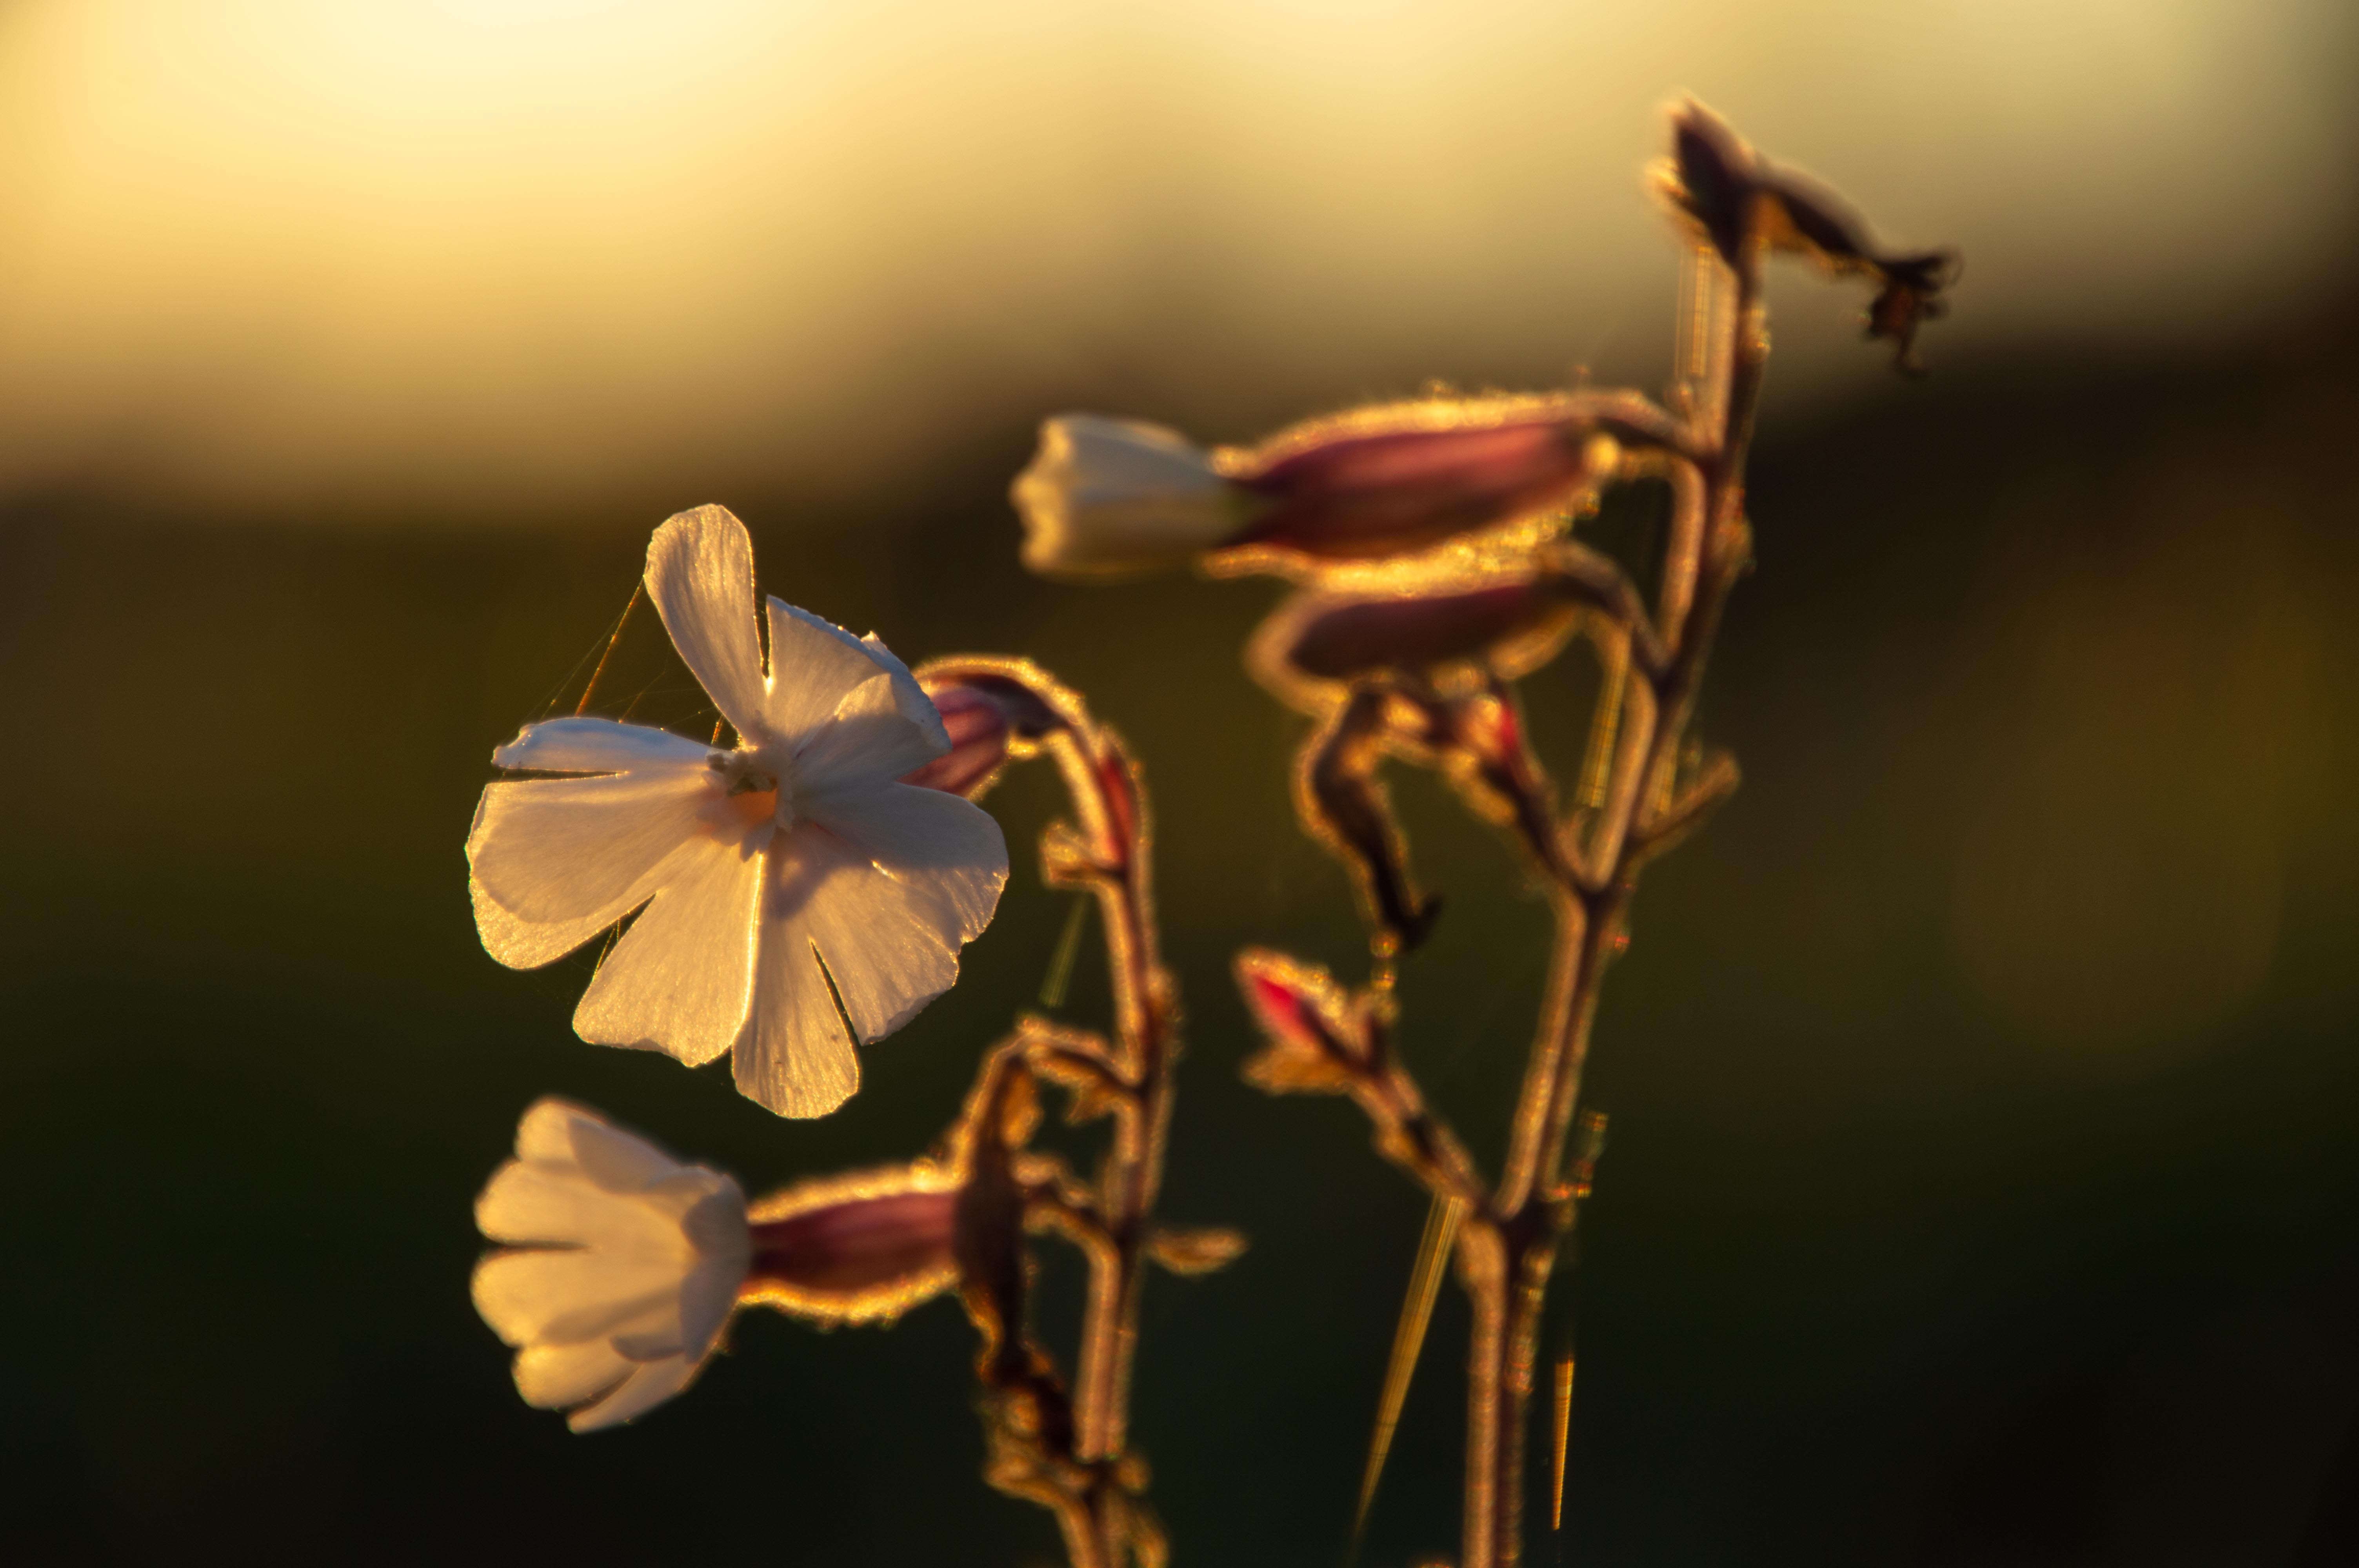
pixel 1118 495
pixel 775 876
pixel 1107 496
pixel 630 1265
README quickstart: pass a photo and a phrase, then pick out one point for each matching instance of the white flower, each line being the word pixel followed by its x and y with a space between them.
pixel 757 864
pixel 633 1265
pixel 1116 495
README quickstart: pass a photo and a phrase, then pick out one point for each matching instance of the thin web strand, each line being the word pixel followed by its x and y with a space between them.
pixel 1060 961
pixel 612 637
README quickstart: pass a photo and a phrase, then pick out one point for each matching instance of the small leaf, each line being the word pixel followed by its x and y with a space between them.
pixel 1195 1249
pixel 1066 859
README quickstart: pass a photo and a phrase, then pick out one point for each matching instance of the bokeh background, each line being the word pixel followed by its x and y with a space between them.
pixel 1982 1187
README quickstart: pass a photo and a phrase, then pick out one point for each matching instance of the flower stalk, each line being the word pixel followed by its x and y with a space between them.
pixel 1421 671
pixel 1073 1455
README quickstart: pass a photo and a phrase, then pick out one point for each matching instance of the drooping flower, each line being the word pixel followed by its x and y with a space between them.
pixel 1110 496
pixel 631 1264
pixel 775 877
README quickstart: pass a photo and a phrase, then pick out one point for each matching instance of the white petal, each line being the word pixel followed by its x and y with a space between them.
pixel 866 743
pixel 583 745
pixel 571 850
pixel 555 1376
pixel 568 1294
pixel 945 850
pixel 1116 495
pixel 814 663
pixel 649 1385
pixel 700 575
pixel 890 944
pixel 559 1134
pixel 724 1244
pixel 522 944
pixel 908 695
pixel 524 1202
pixel 680 979
pixel 795 1055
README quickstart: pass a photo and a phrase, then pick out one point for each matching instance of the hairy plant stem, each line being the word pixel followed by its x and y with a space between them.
pixel 1066 1446
pixel 1507 1249
pixel 1145 1049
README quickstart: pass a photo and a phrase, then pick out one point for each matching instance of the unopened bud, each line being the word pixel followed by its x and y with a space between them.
pixel 1511 624
pixel 856 1248
pixel 978 728
pixel 1318 1034
pixel 994 710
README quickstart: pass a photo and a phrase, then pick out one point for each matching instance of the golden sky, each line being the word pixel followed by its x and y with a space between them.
pixel 497 253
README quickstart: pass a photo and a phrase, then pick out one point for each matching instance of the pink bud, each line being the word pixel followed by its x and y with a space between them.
pixel 1317 1033
pixel 993 710
pixel 978 729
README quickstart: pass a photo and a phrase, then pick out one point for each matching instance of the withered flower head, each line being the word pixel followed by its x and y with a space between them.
pixel 1737 199
pixel 1801 217
pixel 1712 179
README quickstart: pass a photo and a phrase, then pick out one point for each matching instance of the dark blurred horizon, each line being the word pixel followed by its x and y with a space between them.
pixel 1980 1187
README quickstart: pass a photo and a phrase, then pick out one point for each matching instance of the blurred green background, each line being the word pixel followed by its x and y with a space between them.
pixel 1980 1187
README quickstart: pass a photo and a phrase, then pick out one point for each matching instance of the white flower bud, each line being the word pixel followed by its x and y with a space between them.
pixel 1108 496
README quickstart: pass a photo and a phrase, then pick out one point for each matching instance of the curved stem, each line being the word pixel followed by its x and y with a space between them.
pixel 1146 1050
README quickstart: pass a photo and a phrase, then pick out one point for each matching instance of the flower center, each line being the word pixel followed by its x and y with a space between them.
pixel 758 783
